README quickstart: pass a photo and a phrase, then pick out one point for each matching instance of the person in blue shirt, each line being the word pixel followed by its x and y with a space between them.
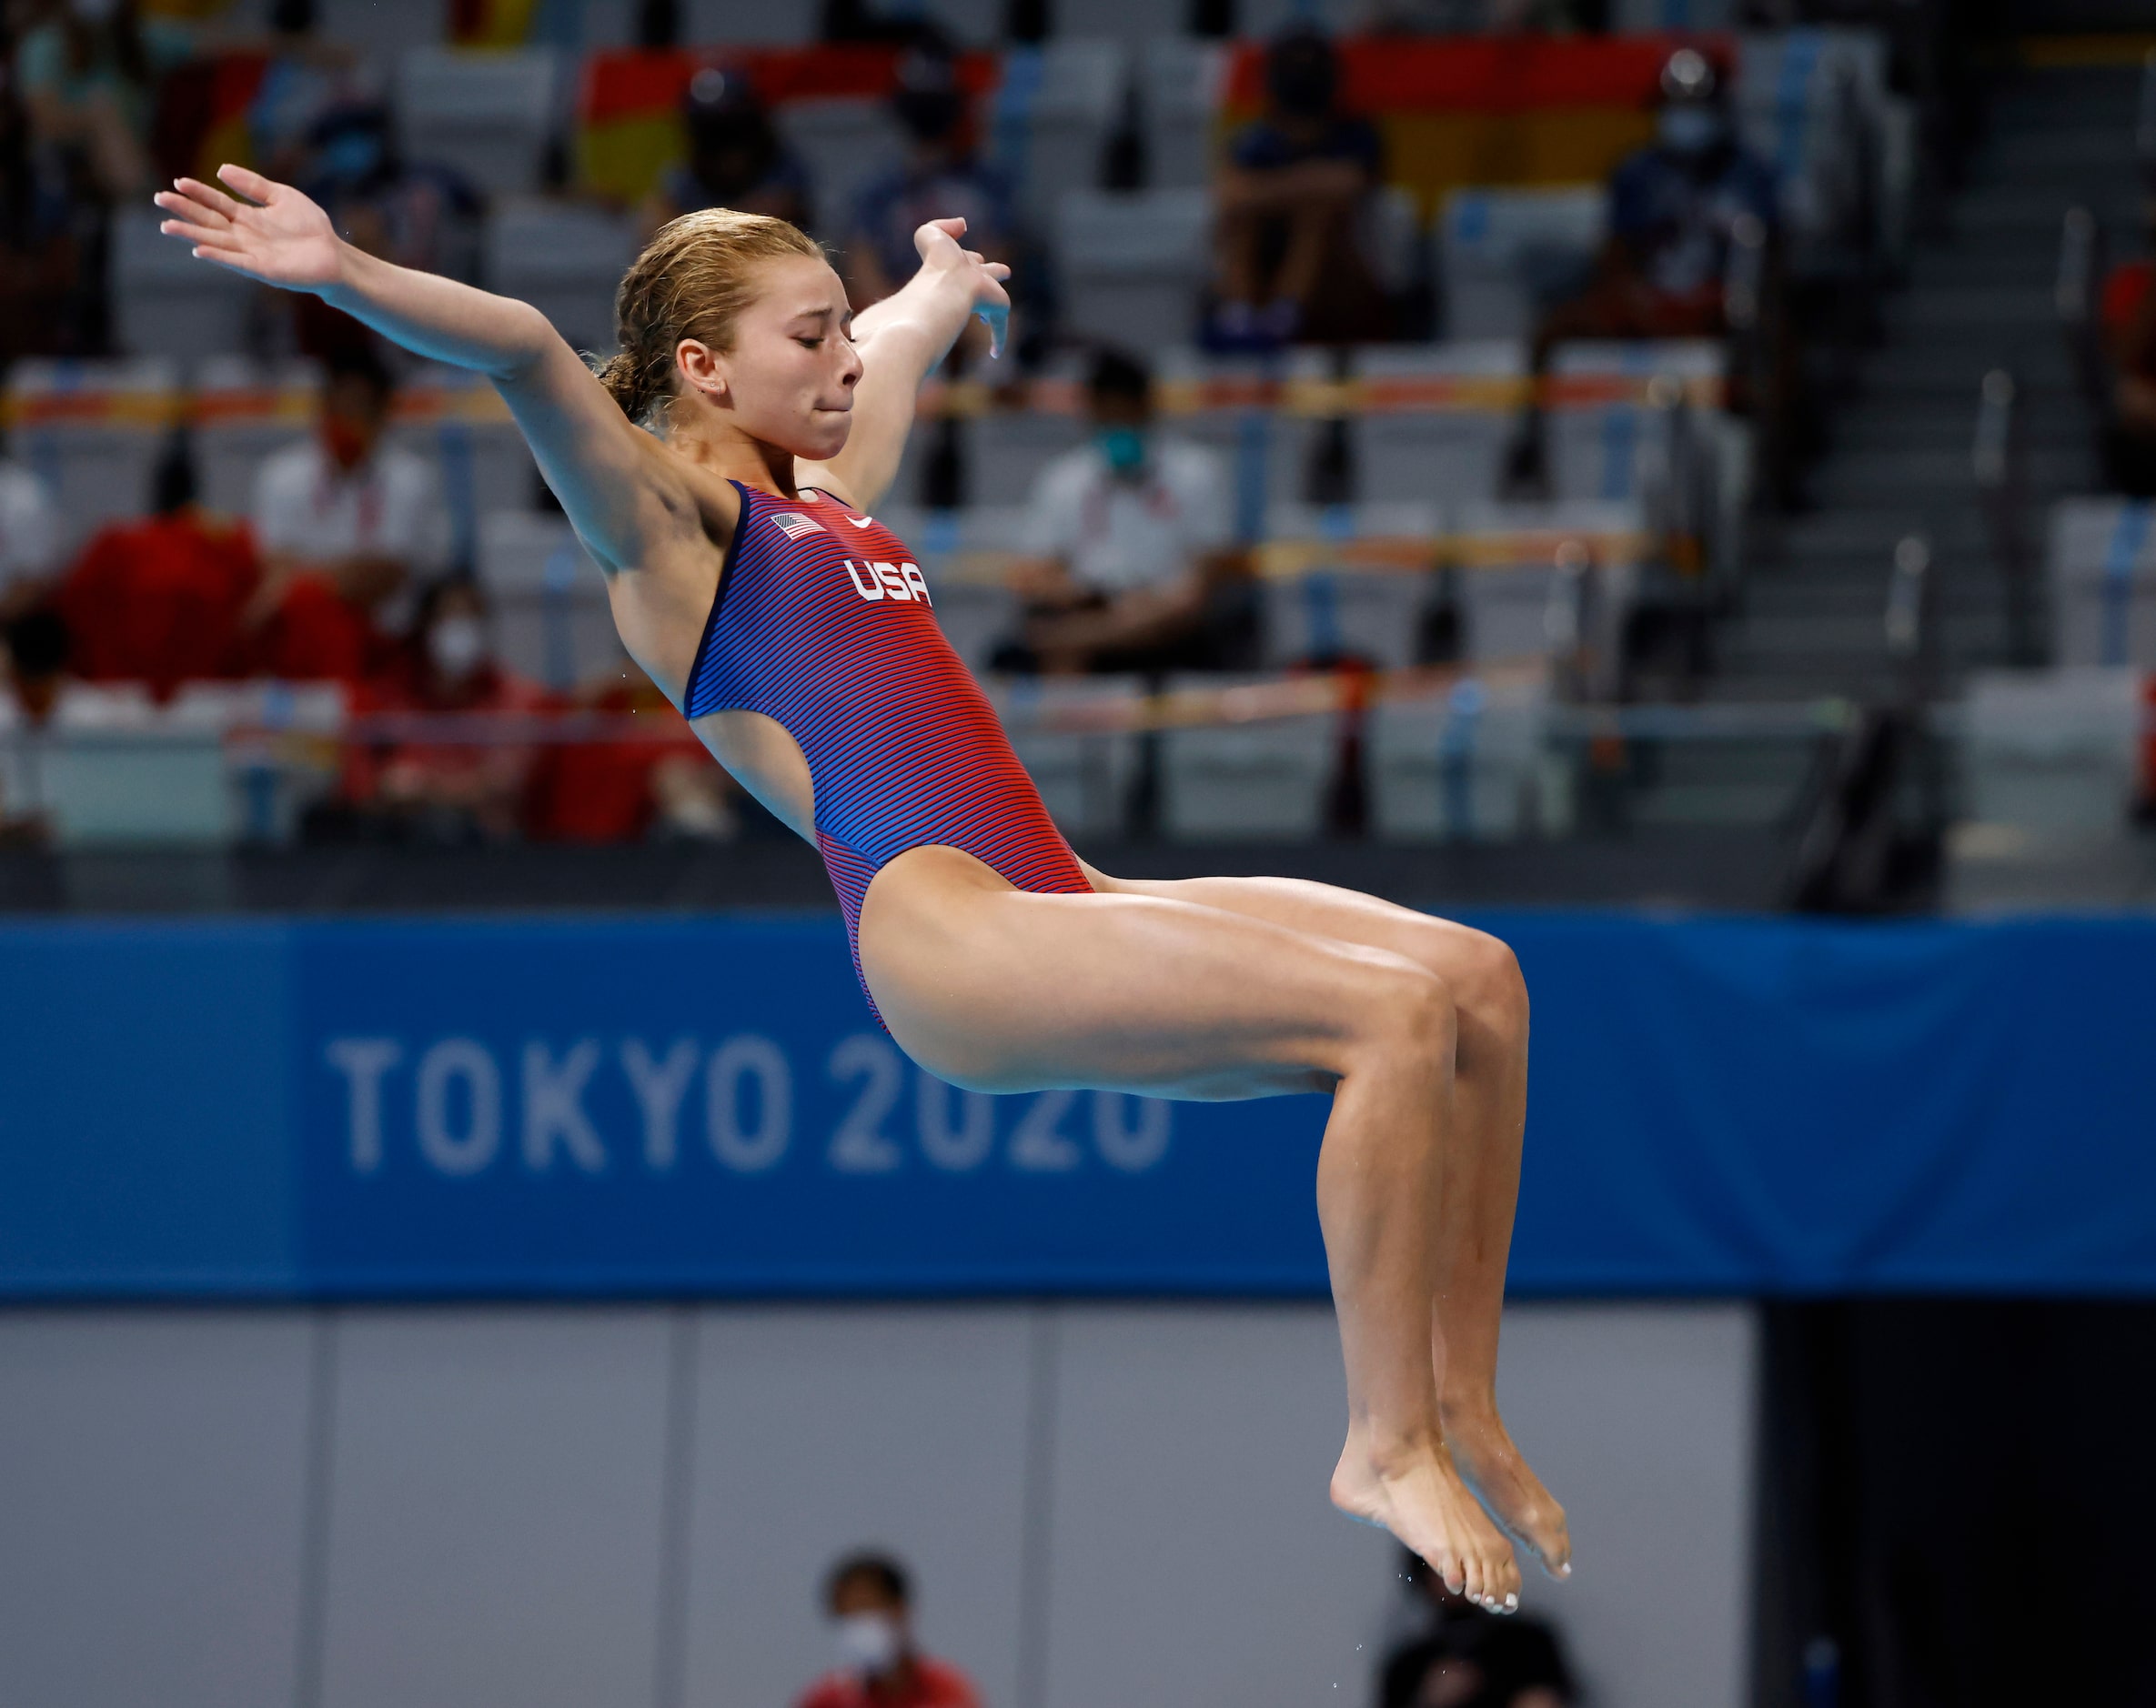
pixel 1675 207
pixel 1288 206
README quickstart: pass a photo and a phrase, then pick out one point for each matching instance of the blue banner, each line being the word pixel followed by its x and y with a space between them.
pixel 661 1106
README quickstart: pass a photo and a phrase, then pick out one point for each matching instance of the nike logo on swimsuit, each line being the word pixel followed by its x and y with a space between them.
pixel 859 521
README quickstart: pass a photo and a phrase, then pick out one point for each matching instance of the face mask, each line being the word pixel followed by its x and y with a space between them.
pixel 868 1643
pixel 1123 447
pixel 1689 130
pixel 347 444
pixel 456 645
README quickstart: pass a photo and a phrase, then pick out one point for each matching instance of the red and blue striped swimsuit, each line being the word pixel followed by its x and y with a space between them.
pixel 823 623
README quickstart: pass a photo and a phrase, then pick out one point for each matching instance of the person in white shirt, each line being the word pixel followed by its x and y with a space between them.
pixel 345 506
pixel 1131 561
pixel 29 540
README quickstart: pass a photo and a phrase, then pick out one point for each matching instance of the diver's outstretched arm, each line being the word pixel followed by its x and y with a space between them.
pixel 626 499
pixel 902 339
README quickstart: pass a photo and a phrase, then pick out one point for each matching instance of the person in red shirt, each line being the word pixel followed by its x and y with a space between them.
pixel 162 600
pixel 470 784
pixel 657 778
pixel 870 1601
pixel 2127 316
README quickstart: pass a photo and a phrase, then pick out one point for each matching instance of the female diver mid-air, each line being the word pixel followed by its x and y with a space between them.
pixel 720 469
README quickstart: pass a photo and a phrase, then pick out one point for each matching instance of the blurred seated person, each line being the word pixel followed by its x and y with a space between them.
pixel 941 177
pixel 438 790
pixel 2126 321
pixel 1132 564
pixel 163 600
pixel 656 780
pixel 89 77
pixel 869 1603
pixel 349 529
pixel 1674 209
pixel 1468 1657
pixel 29 540
pixel 1289 214
pixel 736 157
pixel 42 308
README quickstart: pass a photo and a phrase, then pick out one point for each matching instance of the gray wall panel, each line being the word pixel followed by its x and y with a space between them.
pixel 151 1477
pixel 1640 1419
pixel 819 1431
pixel 1194 1558
pixel 494 1531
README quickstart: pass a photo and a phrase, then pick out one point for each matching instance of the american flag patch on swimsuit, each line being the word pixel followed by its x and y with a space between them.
pixel 793 524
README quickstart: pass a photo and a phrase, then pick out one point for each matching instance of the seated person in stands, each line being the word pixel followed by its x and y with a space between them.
pixel 89 77
pixel 34 649
pixel 1467 1657
pixel 29 540
pixel 43 311
pixel 1289 208
pixel 658 780
pixel 2127 318
pixel 472 789
pixel 350 528
pixel 941 177
pixel 1132 564
pixel 1674 209
pixel 163 600
pixel 869 1603
pixel 736 157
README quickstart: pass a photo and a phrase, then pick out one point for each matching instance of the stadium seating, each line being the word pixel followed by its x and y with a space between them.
pixel 1180 88
pixel 1521 566
pixel 113 769
pixel 2103 570
pixel 1468 766
pixel 1233 405
pixel 1800 103
pixel 1616 430
pixel 2052 750
pixel 1349 581
pixel 1261 781
pixel 1501 254
pixel 1133 262
pixel 1085 775
pixel 488 115
pixel 165 302
pixel 552 624
pixel 843 142
pixel 1052 116
pixel 566 259
pixel 94 432
pixel 244 413
pixel 1006 450
pixel 1433 420
pixel 456 420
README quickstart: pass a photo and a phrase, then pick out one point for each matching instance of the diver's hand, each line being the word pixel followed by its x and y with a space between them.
pixel 965 270
pixel 275 234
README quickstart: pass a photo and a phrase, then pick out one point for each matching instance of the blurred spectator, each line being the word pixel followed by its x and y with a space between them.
pixel 2127 317
pixel 29 540
pixel 1132 542
pixel 441 790
pixel 660 781
pixel 89 80
pixel 162 600
pixel 869 1600
pixel 736 157
pixel 37 649
pixel 349 527
pixel 417 214
pixel 1468 1657
pixel 306 79
pixel 1289 210
pixel 1673 209
pixel 40 248
pixel 942 175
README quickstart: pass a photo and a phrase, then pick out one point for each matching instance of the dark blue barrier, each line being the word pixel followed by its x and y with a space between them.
pixel 664 1106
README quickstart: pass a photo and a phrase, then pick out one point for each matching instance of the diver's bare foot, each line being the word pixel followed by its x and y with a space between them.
pixel 1419 1497
pixel 1502 1479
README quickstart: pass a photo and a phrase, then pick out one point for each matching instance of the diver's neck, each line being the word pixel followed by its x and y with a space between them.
pixel 737 456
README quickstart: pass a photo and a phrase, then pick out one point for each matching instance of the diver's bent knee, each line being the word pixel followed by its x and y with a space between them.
pixel 1489 984
pixel 1407 1006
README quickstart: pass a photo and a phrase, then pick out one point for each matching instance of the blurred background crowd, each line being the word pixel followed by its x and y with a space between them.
pixel 1470 423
